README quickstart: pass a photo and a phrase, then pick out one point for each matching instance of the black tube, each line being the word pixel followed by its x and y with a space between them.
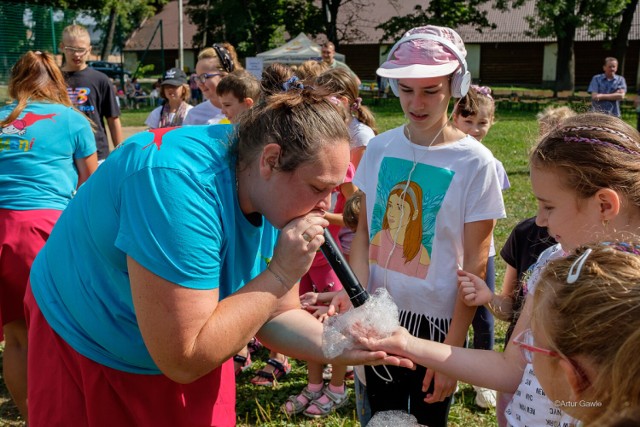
pixel 357 294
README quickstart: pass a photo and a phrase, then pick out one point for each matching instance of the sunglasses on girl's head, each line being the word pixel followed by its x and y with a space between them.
pixel 202 78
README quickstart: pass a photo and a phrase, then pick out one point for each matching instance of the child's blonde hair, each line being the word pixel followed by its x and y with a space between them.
pixel 308 71
pixel 551 117
pixel 211 53
pixel 478 98
pixel 596 317
pixel 593 151
pixel 75 31
pixel 342 83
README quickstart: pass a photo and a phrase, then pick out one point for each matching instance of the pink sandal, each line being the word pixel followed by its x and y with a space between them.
pixel 242 363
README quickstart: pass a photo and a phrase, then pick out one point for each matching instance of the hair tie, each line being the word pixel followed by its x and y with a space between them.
pixel 293 83
pixel 596 141
pixel 225 58
pixel 623 247
pixel 483 90
pixel 356 105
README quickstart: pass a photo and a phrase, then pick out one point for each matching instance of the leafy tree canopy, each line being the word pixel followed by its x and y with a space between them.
pixel 447 13
pixel 252 26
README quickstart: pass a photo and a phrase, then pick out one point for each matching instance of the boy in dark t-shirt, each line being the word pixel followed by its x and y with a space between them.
pixel 90 91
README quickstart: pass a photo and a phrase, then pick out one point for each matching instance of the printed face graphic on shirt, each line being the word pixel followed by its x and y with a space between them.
pixel 404 216
pixel 19 126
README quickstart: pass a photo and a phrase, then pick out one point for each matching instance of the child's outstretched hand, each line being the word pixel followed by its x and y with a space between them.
pixel 473 290
pixel 395 344
pixel 308 299
pixel 318 311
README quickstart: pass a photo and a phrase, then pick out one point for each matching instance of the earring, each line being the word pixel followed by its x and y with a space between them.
pixel 605 224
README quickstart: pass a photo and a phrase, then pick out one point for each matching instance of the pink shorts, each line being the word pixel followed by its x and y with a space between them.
pixel 67 389
pixel 22 235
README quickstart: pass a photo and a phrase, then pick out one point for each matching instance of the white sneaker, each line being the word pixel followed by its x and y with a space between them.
pixel 485 398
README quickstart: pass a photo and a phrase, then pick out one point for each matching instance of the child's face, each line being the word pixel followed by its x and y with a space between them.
pixel 173 93
pixel 477 125
pixel 232 106
pixel 208 88
pixel 568 219
pixel 76 51
pixel 425 101
pixel 550 374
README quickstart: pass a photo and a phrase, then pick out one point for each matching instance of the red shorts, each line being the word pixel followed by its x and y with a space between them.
pixel 22 235
pixel 67 389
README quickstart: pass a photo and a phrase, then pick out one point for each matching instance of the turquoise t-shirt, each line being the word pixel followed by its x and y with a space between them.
pixel 167 198
pixel 37 152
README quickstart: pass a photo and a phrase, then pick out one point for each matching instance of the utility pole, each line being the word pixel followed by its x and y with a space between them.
pixel 180 37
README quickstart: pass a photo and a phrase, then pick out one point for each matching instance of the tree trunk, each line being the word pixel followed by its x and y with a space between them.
pixel 108 40
pixel 330 14
pixel 621 41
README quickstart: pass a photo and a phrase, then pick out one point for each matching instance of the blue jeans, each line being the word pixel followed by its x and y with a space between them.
pixel 362 402
pixel 483 320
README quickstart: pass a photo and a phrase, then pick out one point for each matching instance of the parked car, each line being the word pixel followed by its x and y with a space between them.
pixel 111 69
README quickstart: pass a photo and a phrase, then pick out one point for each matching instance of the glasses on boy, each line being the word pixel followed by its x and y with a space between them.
pixel 76 50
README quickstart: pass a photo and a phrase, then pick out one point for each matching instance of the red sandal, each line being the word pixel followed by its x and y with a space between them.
pixel 266 378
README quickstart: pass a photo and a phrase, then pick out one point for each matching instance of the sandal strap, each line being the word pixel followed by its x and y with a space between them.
pixel 299 406
pixel 335 401
pixel 240 359
pixel 279 367
pixel 337 398
pixel 311 395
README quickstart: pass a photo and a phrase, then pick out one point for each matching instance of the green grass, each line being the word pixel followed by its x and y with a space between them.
pixel 510 140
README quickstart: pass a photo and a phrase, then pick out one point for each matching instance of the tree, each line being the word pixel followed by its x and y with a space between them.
pixel 252 26
pixel 561 19
pixel 447 13
pixel 621 40
pixel 115 18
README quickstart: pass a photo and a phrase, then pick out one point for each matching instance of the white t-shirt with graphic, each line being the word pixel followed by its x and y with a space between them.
pixel 415 252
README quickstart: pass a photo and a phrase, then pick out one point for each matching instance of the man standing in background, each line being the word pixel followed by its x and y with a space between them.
pixel 328 53
pixel 607 89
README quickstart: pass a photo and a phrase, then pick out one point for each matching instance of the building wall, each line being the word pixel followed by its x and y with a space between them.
pixel 363 59
pixel 509 63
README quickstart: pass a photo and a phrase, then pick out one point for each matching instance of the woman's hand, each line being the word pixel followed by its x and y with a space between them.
pixel 473 290
pixel 297 245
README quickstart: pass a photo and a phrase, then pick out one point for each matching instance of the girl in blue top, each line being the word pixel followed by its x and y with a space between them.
pixel 47 150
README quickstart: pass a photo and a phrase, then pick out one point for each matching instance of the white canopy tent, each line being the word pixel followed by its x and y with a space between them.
pixel 295 51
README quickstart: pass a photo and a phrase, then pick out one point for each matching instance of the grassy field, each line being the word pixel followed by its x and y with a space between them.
pixel 510 140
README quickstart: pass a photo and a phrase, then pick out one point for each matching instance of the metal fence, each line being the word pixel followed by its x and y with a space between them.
pixel 31 27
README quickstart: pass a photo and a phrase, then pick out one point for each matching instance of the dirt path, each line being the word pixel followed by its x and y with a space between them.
pixel 130 130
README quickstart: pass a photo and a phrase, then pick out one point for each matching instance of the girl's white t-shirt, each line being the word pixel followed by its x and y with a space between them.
pixel 458 184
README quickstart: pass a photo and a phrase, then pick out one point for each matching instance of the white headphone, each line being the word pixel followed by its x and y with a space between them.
pixel 461 78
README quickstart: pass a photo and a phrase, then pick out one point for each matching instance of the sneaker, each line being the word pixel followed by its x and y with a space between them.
pixel 485 398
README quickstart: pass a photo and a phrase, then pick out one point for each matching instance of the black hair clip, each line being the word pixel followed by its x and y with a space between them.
pixel 225 57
